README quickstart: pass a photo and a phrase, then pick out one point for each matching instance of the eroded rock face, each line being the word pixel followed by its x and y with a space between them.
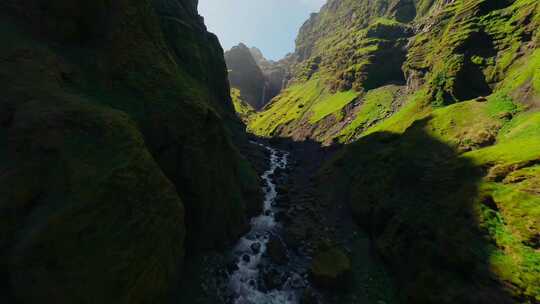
pixel 246 75
pixel 275 72
pixel 257 79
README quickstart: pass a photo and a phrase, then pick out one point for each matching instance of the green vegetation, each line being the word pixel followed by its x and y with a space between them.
pixel 241 107
pixel 329 103
pixel 309 101
pixel 116 150
pixel 376 106
pixel 290 105
pixel 441 157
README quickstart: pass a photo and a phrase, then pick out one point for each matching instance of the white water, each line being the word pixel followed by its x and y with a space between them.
pixel 263 97
pixel 244 282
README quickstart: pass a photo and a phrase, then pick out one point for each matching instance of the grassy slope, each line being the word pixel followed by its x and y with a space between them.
pixel 447 185
pixel 241 107
pixel 485 156
pixel 307 101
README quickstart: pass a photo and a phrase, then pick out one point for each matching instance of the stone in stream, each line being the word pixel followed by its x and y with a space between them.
pixel 331 269
pixel 296 281
pixel 283 190
pixel 232 267
pixel 256 248
pixel 309 296
pixel 281 216
pixel 283 200
pixel 276 251
pixel 273 279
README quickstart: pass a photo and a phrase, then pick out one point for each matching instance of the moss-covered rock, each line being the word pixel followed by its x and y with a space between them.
pixel 116 126
pixel 87 214
pixel 331 268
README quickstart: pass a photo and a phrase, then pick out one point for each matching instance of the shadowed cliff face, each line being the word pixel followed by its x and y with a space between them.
pixel 420 201
pixel 246 75
pixel 256 79
pixel 115 150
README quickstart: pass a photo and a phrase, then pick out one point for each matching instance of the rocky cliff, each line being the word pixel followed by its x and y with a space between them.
pixel 257 79
pixel 436 103
pixel 246 76
pixel 115 154
pixel 275 72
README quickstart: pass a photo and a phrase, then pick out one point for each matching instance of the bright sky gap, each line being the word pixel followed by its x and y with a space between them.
pixel 270 25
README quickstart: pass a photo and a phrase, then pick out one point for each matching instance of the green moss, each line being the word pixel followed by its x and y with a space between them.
pixel 108 138
pixel 331 104
pixel 331 268
pixel 98 177
pixel 414 109
pixel 292 104
pixel 241 107
pixel 510 228
pixel 376 106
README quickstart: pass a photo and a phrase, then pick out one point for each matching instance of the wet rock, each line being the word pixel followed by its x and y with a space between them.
pixel 276 251
pixel 296 281
pixel 246 258
pixel 256 248
pixel 309 296
pixel 331 269
pixel 295 235
pixel 232 267
pixel 282 217
pixel 273 279
pixel 283 190
pixel 283 200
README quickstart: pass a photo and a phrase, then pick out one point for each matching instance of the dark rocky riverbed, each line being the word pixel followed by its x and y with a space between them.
pixel 301 249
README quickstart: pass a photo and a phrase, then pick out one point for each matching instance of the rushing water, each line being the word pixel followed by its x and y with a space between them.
pixel 246 282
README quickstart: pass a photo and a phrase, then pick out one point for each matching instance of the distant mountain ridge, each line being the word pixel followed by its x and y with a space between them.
pixel 257 79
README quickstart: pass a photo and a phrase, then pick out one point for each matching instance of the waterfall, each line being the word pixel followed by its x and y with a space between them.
pixel 263 100
pixel 245 281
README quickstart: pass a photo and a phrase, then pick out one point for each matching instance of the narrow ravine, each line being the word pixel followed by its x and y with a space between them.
pixel 247 281
pixel 272 263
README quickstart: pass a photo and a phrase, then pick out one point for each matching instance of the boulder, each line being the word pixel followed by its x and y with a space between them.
pixel 331 269
pixel 276 251
pixel 273 279
pixel 256 248
pixel 309 296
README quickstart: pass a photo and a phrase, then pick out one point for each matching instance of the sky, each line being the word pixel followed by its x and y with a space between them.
pixel 270 25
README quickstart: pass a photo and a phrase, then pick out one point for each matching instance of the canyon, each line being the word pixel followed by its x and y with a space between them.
pixel 393 157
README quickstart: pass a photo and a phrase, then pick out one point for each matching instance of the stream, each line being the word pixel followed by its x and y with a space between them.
pixel 272 263
pixel 247 282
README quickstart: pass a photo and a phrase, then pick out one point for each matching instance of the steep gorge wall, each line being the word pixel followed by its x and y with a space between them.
pixel 116 151
pixel 436 103
pixel 257 80
pixel 246 76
